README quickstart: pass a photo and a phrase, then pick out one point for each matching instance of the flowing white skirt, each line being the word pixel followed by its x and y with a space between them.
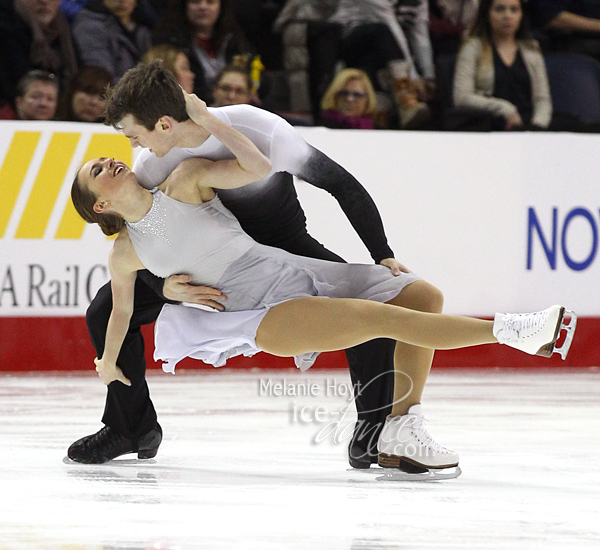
pixel 260 279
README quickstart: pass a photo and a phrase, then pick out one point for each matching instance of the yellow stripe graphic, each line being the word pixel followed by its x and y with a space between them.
pixel 47 185
pixel 13 171
pixel 115 146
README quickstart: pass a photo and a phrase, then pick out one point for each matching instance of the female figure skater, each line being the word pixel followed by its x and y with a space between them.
pixel 182 227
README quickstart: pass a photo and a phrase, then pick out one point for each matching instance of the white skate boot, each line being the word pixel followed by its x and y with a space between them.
pixel 536 333
pixel 404 439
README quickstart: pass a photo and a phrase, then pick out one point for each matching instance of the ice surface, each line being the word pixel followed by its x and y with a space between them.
pixel 239 468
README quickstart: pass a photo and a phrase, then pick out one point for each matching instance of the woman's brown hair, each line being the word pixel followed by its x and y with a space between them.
pixel 483 29
pixel 84 201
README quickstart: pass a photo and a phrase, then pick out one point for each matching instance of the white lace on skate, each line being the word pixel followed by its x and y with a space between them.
pixel 419 432
pixel 519 326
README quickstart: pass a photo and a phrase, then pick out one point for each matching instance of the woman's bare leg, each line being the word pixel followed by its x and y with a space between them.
pixel 413 363
pixel 327 324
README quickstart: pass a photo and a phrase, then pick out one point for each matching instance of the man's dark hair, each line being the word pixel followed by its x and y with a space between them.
pixel 147 92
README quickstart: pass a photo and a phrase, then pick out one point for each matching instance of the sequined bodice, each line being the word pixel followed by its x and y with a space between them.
pixel 154 222
pixel 201 240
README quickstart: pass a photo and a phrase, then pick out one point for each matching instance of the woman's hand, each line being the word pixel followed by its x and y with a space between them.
pixel 110 372
pixel 514 121
pixel 195 107
pixel 395 266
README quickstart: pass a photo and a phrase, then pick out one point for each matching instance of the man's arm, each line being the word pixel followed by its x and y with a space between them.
pixel 177 289
pixel 320 171
pixel 289 152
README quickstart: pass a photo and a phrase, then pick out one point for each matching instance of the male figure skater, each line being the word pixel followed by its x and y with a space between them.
pixel 145 105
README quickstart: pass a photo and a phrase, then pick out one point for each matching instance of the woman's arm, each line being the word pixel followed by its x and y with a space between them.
pixel 249 164
pixel 123 264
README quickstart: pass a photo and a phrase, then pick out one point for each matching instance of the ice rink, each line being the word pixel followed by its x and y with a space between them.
pixel 243 467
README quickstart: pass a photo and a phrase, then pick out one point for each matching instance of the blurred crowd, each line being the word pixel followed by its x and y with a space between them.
pixel 476 65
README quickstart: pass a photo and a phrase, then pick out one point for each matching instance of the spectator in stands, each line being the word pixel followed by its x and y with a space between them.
pixel 109 35
pixel 571 25
pixel 83 100
pixel 349 102
pixel 146 10
pixel 175 61
pixel 500 72
pixel 206 31
pixel 413 16
pixel 373 40
pixel 311 46
pixel 449 20
pixel 233 84
pixel 36 99
pixel 34 34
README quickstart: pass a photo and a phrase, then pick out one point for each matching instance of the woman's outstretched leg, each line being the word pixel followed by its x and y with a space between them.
pixel 327 324
pixel 320 324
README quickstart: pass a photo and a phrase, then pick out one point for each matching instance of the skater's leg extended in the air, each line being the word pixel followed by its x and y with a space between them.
pixel 321 324
pixel 327 324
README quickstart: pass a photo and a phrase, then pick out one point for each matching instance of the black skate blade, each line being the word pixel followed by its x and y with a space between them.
pixel 114 462
pixel 393 474
pixel 569 329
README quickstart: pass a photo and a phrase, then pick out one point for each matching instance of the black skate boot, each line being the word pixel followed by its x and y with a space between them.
pixel 107 444
pixel 359 458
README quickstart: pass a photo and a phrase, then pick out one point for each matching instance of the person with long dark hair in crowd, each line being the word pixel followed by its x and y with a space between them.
pixel 207 32
pixel 500 75
pixel 83 100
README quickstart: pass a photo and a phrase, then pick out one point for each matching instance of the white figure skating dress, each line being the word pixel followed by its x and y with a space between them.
pixel 206 242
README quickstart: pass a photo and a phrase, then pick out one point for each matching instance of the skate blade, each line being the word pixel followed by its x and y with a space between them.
pixel 114 462
pixel 569 333
pixel 549 349
pixel 390 474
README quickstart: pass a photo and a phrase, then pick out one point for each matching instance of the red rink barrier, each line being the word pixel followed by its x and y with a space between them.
pixel 63 344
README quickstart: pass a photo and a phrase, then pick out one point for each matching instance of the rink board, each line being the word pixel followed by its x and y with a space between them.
pixel 499 222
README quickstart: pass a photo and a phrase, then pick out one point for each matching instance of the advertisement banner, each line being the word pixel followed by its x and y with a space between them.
pixel 497 221
pixel 51 262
